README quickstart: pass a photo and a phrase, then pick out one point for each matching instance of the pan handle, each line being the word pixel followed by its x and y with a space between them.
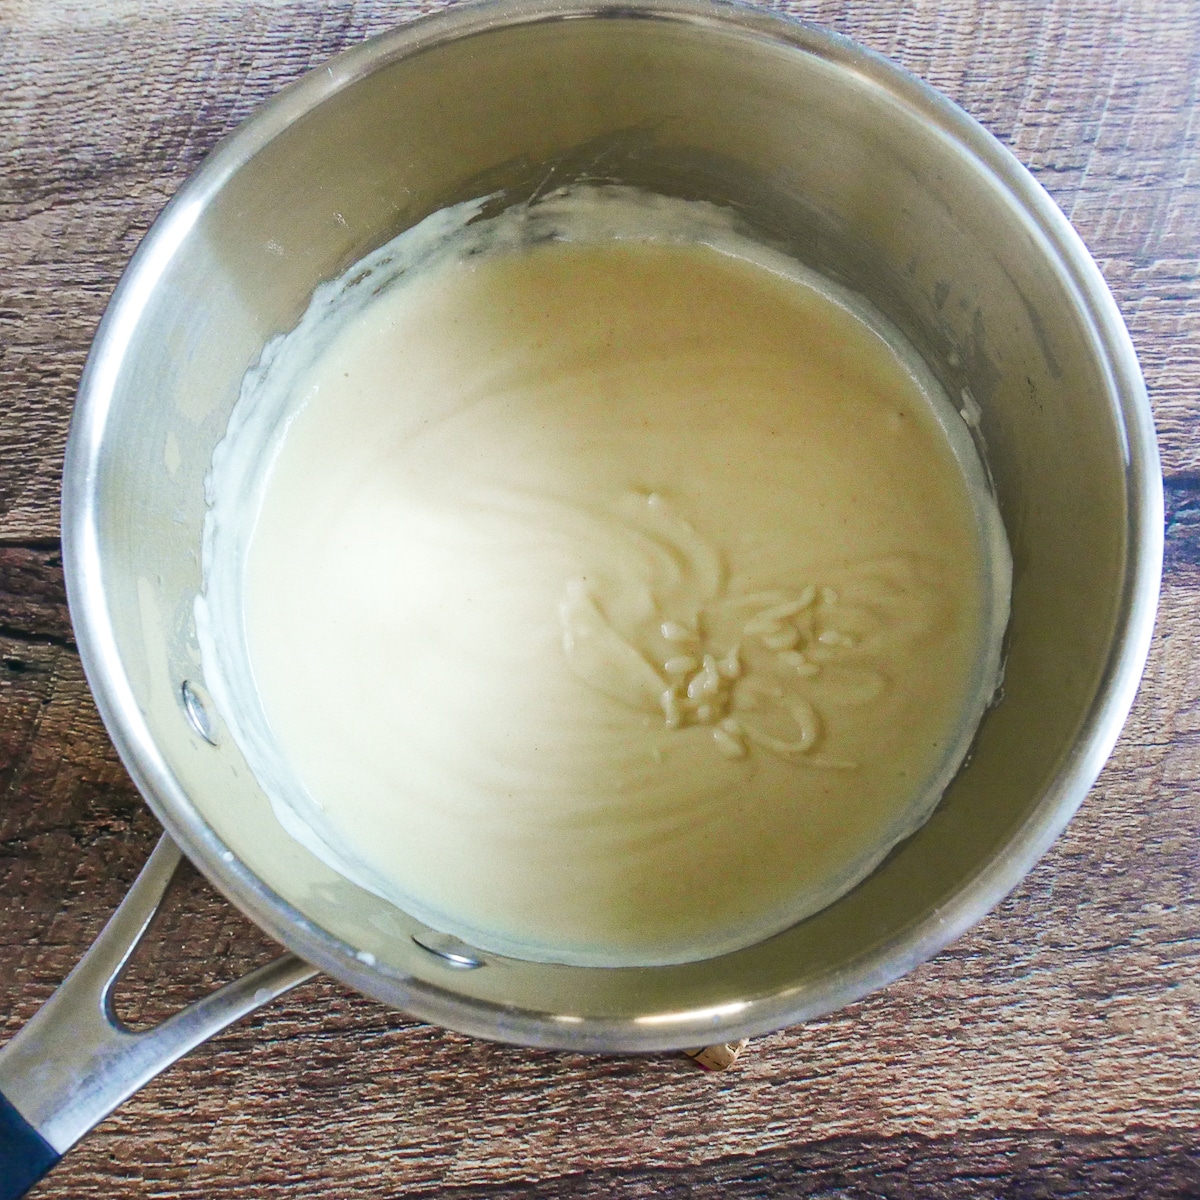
pixel 75 1061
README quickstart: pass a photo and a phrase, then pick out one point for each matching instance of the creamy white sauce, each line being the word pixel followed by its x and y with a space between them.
pixel 598 585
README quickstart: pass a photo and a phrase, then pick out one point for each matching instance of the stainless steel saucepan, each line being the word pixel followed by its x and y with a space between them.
pixel 831 152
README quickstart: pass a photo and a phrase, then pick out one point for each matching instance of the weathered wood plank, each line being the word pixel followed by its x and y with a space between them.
pixel 1040 1164
pixel 33 601
pixel 1098 98
pixel 1051 1051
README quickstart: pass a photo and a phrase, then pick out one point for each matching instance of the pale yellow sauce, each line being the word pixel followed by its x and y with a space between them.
pixel 614 602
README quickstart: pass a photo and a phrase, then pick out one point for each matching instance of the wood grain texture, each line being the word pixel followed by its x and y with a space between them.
pixel 1053 1051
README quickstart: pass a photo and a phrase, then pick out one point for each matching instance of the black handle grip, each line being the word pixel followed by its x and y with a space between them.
pixel 25 1156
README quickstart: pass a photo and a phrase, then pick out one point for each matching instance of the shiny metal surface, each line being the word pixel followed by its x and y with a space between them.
pixel 832 153
pixel 75 1061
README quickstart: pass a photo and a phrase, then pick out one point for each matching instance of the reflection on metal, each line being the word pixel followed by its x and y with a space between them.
pixel 449 949
pixel 715 1012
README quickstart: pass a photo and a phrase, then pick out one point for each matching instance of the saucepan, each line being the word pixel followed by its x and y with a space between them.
pixel 829 152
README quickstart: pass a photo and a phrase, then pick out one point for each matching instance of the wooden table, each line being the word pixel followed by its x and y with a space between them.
pixel 1055 1050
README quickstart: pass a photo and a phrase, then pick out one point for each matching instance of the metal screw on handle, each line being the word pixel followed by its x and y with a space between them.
pixel 75 1061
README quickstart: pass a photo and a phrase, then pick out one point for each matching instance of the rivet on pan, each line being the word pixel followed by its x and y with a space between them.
pixel 197 714
pixel 450 950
